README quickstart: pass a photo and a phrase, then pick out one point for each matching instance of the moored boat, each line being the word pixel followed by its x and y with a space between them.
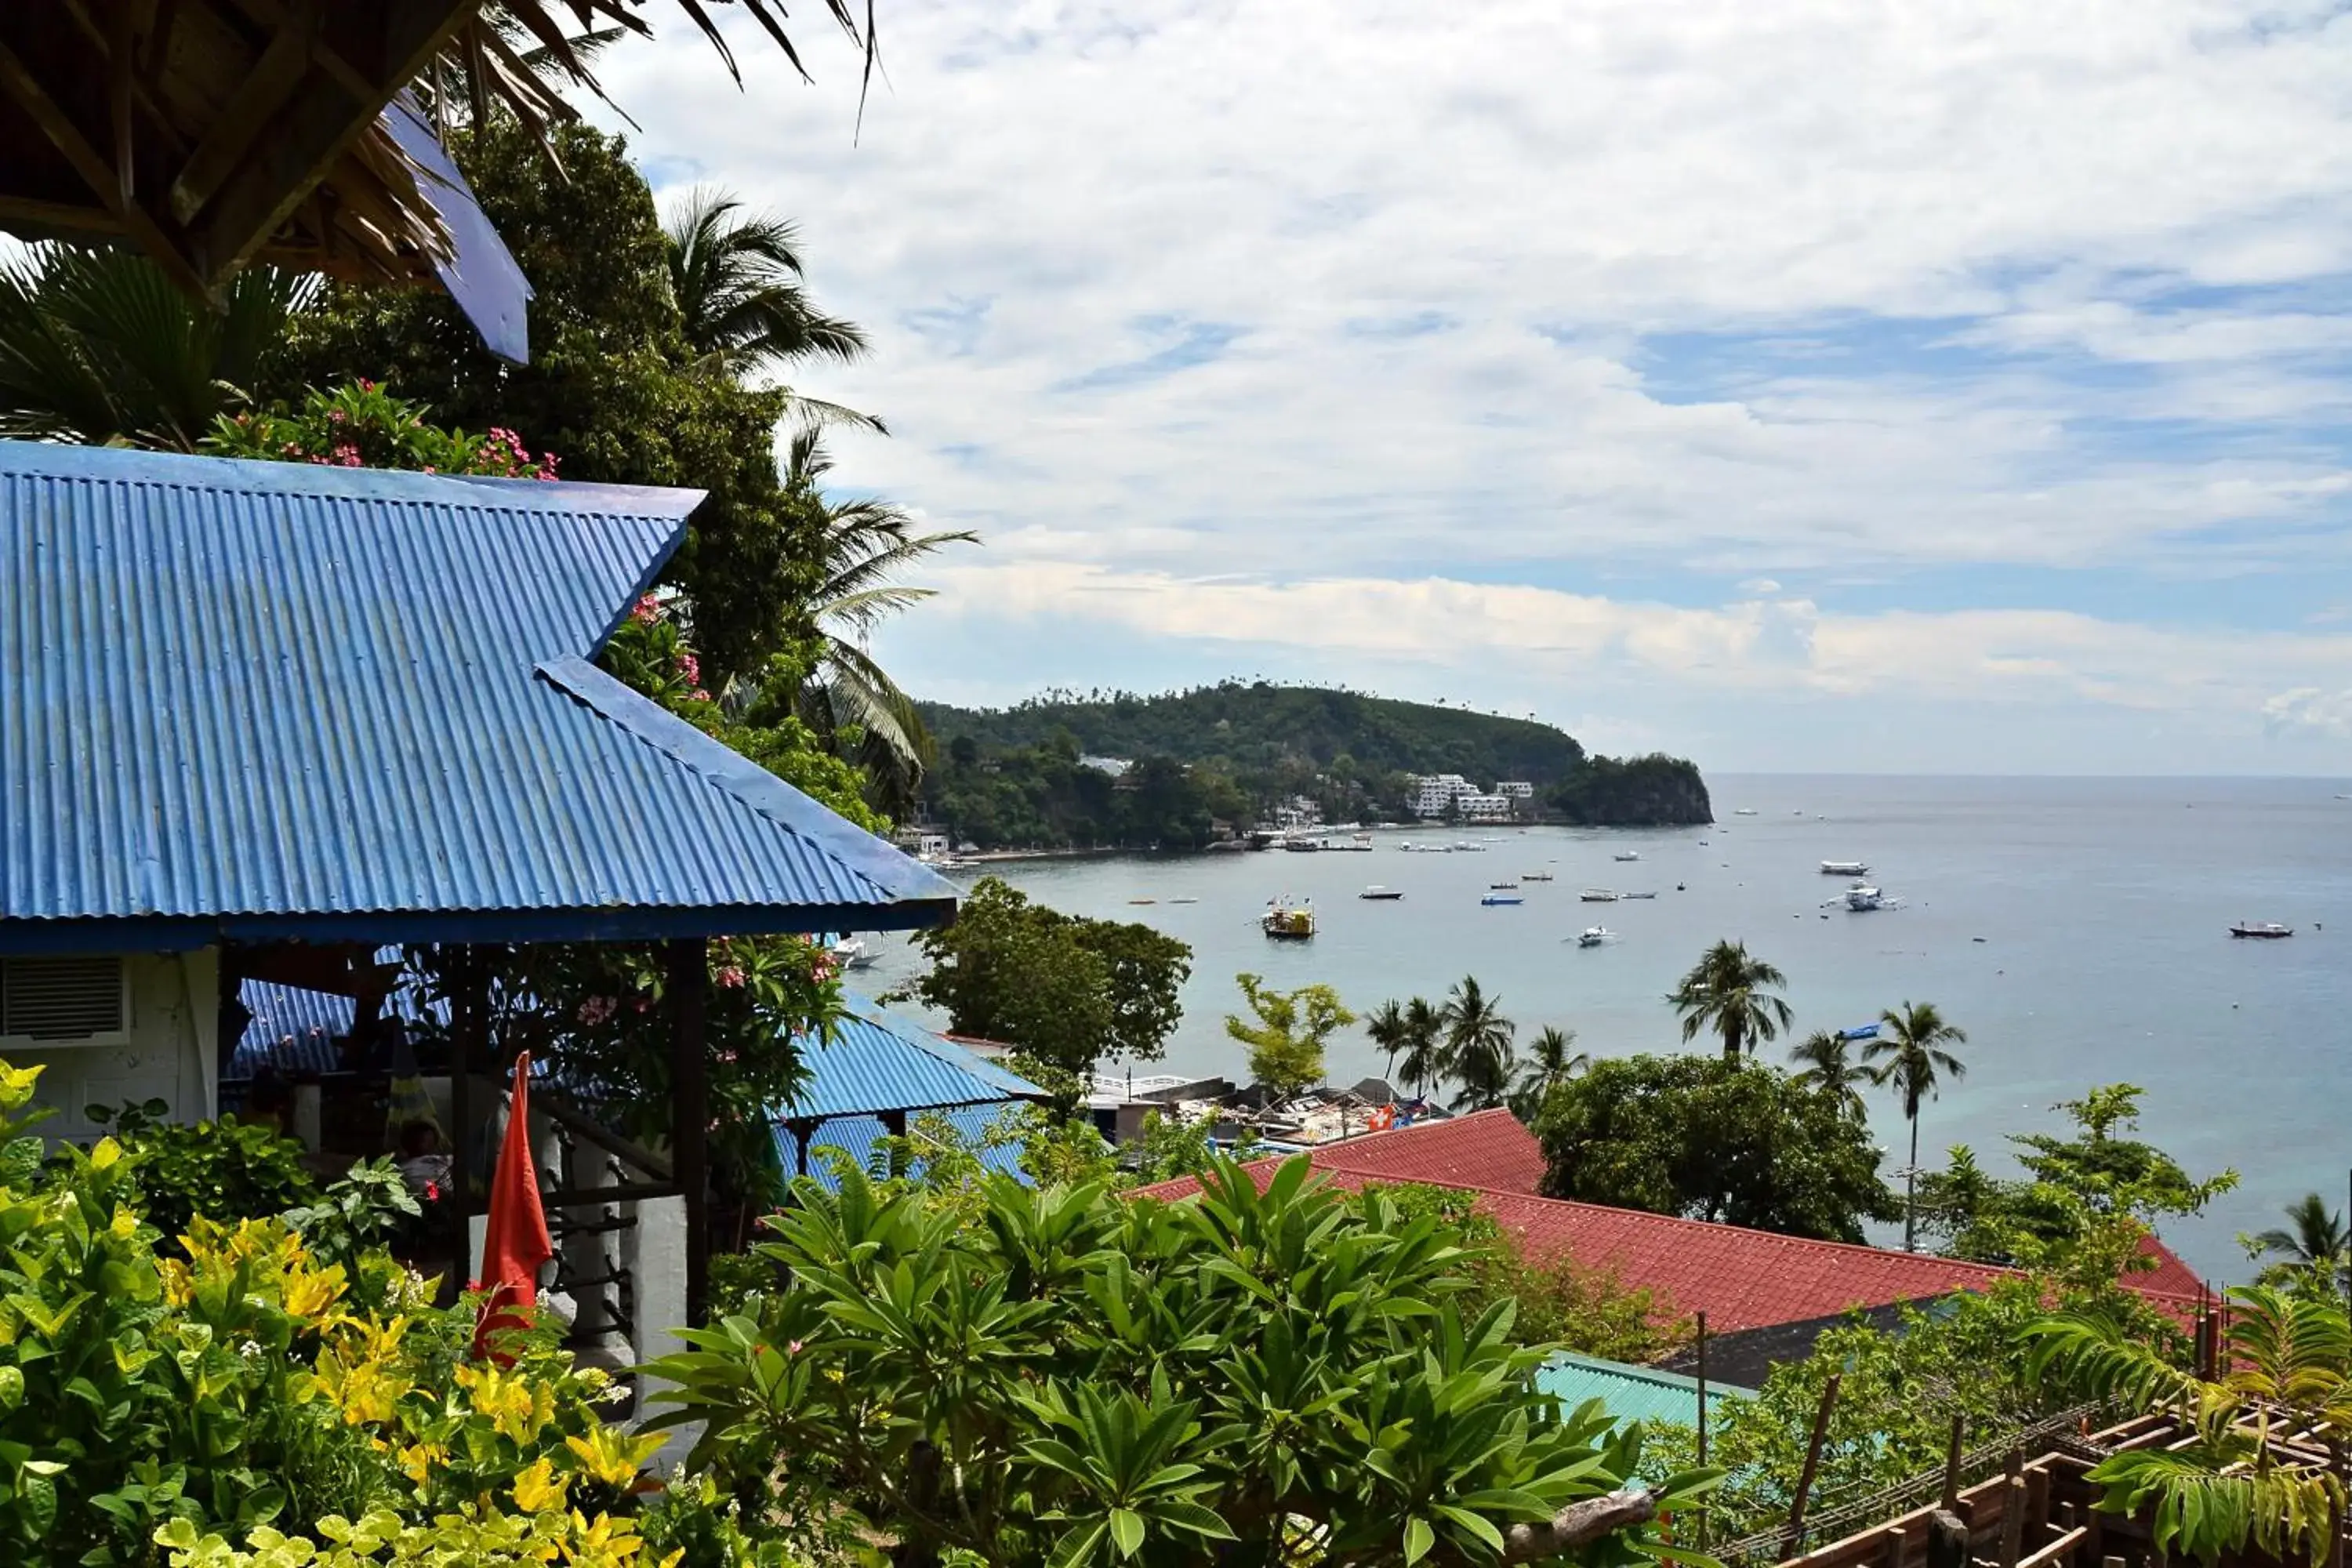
pixel 1862 897
pixel 1379 894
pixel 1496 900
pixel 1598 896
pixel 1637 895
pixel 1504 887
pixel 1535 875
pixel 1627 855
pixel 1845 868
pixel 853 954
pixel 2265 929
pixel 1286 921
pixel 1593 936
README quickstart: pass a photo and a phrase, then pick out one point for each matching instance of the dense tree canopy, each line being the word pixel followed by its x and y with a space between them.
pixel 1285 1031
pixel 1067 990
pixel 612 387
pixel 1708 1139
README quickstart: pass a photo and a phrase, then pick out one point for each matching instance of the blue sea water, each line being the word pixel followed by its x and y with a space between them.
pixel 2102 905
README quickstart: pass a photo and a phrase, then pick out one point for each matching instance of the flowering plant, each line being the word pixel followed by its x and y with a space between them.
pixel 361 425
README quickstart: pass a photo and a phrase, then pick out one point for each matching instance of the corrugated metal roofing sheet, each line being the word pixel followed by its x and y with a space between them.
pixel 264 700
pixel 1631 1392
pixel 856 1136
pixel 878 1061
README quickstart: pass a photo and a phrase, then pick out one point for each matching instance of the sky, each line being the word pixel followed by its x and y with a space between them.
pixel 1959 386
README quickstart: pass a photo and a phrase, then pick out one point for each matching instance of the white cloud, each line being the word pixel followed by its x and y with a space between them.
pixel 2309 708
pixel 1400 318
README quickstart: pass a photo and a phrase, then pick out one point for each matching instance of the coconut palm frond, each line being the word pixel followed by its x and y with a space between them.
pixel 737 281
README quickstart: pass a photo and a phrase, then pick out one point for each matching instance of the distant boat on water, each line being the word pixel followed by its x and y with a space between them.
pixel 853 954
pixel 1593 936
pixel 1845 868
pixel 1379 894
pixel 1495 900
pixel 1598 896
pixel 1745 811
pixel 1637 895
pixel 1534 877
pixel 1627 855
pixel 1286 921
pixel 2266 930
pixel 1504 887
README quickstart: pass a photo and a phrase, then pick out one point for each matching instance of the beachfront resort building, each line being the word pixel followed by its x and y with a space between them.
pixel 1435 796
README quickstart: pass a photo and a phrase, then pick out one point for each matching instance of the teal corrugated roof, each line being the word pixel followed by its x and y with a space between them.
pixel 1632 1392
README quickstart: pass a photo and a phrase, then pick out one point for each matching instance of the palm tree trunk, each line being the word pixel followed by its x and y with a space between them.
pixel 1911 1189
pixel 1732 1039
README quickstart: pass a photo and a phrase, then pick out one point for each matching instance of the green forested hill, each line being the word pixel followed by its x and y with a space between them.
pixel 1263 726
pixel 1225 754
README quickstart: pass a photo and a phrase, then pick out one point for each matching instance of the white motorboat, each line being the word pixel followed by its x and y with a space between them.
pixel 1627 855
pixel 2266 930
pixel 1535 875
pixel 1862 897
pixel 1465 847
pixel 1745 811
pixel 1845 868
pixel 1593 936
pixel 1598 896
pixel 851 954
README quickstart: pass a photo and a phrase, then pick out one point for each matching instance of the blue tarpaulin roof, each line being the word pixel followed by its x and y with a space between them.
pixel 273 700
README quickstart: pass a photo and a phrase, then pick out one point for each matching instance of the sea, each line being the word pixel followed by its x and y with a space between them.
pixel 2078 929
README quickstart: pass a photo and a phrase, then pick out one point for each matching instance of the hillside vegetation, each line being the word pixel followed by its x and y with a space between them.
pixel 1225 754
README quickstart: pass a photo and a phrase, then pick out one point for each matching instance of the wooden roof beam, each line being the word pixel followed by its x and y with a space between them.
pixel 271 183
pixel 275 76
pixel 21 84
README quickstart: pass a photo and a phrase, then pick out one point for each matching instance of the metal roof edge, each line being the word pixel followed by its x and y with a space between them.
pixel 628 922
pixel 1634 1372
pixel 196 471
pixel 906 879
pixel 944 1049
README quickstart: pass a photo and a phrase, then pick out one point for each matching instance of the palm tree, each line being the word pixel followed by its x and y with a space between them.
pixel 738 282
pixel 100 346
pixel 1914 1042
pixel 1386 1025
pixel 1479 1043
pixel 866 544
pixel 1726 994
pixel 1553 1059
pixel 2314 1243
pixel 1825 1060
pixel 1426 1061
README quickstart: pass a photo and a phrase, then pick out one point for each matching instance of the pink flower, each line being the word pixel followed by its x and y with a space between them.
pixel 729 976
pixel 700 694
pixel 647 610
pixel 792 1347
pixel 691 667
pixel 335 415
pixel 366 385
pixel 596 1009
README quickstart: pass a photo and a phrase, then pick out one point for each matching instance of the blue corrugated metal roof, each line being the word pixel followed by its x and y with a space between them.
pixel 263 700
pixel 878 1061
pixel 1631 1392
pixel 857 1135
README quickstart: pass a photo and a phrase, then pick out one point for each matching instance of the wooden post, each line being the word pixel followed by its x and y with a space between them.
pixel 469 1044
pixel 1812 1463
pixel 1898 1542
pixel 1702 1423
pixel 1951 1502
pixel 2013 1511
pixel 1948 1540
pixel 690 982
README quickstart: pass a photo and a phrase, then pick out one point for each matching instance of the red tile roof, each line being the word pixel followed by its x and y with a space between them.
pixel 1487 1149
pixel 1741 1278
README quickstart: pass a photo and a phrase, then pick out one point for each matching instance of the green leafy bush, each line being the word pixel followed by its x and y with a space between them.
pixel 1082 1379
pixel 224 1171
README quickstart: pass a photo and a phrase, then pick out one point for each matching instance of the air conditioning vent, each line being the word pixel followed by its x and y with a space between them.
pixel 60 998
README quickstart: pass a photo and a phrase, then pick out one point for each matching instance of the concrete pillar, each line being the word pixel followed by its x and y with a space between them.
pixel 589 1255
pixel 309 1119
pixel 654 1250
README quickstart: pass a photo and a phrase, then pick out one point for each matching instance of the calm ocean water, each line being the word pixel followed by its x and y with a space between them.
pixel 2103 904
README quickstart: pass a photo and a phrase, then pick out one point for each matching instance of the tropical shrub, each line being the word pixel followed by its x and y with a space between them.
pixel 215 1170
pixel 361 425
pixel 241 1386
pixel 1079 1379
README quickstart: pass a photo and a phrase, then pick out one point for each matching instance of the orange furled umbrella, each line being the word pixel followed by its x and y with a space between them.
pixel 515 1243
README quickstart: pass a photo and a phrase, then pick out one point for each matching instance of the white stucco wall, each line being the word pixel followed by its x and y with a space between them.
pixel 173 1024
